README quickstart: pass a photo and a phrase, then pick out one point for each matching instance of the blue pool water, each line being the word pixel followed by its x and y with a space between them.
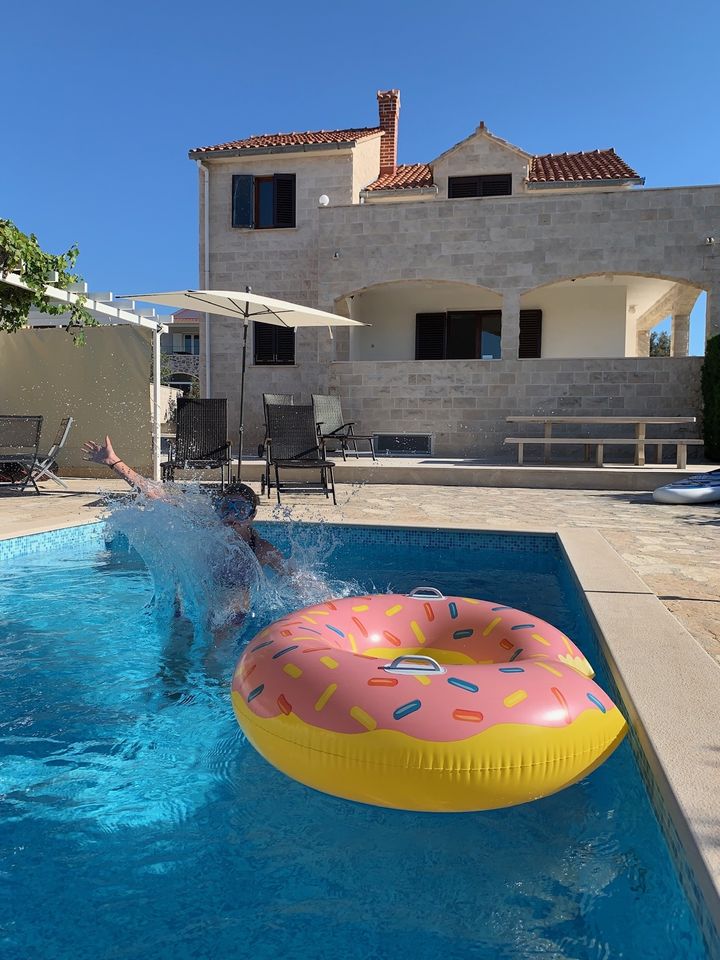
pixel 136 822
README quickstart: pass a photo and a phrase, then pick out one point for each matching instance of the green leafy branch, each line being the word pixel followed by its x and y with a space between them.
pixel 21 253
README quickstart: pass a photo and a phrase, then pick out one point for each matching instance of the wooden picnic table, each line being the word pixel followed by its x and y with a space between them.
pixel 640 439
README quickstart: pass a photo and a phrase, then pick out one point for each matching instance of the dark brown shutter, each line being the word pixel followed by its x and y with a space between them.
pixel 273 344
pixel 284 200
pixel 496 185
pixel 264 342
pixel 530 347
pixel 430 336
pixel 460 187
pixel 486 185
pixel 243 190
pixel 284 345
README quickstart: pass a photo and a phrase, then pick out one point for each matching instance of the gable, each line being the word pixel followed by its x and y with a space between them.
pixel 481 154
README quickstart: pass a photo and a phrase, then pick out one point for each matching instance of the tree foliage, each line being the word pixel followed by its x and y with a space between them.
pixel 659 344
pixel 21 253
pixel 710 383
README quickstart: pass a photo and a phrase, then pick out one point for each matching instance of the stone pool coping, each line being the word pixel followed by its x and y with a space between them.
pixel 671 698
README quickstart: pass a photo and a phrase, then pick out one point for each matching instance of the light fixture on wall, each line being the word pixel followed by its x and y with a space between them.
pixel 709 241
pixel 323 200
pixel 336 255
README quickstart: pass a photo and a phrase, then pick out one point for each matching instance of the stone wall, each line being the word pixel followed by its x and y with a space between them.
pixel 514 244
pixel 463 403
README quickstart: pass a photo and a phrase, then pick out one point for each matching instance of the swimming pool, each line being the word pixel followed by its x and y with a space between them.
pixel 136 822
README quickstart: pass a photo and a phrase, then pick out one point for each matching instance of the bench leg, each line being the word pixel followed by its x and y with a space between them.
pixel 599 454
pixel 640 446
pixel 659 453
pixel 546 447
pixel 681 456
pixel 520 453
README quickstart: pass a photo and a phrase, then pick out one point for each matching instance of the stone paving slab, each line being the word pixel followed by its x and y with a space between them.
pixel 673 549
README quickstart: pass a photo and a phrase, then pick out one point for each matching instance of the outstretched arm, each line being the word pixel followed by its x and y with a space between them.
pixel 104 453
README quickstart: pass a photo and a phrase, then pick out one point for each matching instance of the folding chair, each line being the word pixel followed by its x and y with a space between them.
pixel 46 461
pixel 332 427
pixel 293 444
pixel 19 445
pixel 200 439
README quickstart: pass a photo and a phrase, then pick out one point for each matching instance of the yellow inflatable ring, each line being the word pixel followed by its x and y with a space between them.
pixel 424 702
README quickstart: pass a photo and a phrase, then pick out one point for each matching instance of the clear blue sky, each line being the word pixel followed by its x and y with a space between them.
pixel 103 101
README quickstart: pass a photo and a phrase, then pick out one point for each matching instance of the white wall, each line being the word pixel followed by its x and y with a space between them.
pixel 391 310
pixel 580 321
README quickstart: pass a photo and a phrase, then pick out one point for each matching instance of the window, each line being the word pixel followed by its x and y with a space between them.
pixel 263 202
pixel 492 185
pixel 273 344
pixel 458 335
pixel 530 346
pixel 186 343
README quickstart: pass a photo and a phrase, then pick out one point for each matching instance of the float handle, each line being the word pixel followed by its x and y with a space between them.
pixel 426 593
pixel 417 664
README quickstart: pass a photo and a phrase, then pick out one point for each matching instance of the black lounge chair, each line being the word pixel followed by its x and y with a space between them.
pixel 293 444
pixel 332 427
pixel 270 399
pixel 19 445
pixel 201 439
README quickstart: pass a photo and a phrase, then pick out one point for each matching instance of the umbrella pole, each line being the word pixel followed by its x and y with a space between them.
pixel 246 323
pixel 242 398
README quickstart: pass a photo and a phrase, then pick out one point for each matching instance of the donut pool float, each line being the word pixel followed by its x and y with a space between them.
pixel 423 702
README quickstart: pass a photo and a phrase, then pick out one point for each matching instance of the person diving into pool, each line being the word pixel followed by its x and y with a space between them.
pixel 236 505
pixel 232 571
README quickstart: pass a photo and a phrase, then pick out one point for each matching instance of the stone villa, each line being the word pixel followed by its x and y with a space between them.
pixel 493 282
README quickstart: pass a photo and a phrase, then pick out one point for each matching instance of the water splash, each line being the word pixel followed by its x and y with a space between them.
pixel 206 573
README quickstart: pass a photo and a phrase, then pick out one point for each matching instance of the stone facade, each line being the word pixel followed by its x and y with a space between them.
pixel 506 247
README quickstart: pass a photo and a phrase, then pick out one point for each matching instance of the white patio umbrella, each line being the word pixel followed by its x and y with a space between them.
pixel 246 306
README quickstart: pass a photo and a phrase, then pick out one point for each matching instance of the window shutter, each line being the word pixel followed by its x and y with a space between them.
pixel 430 336
pixel 264 343
pixel 530 346
pixel 460 187
pixel 242 200
pixel 496 185
pixel 284 200
pixel 285 345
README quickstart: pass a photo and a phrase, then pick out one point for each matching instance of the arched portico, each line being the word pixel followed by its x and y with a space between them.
pixel 610 314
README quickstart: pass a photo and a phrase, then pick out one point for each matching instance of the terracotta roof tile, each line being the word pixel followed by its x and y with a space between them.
pixel 407 176
pixel 293 139
pixel 590 165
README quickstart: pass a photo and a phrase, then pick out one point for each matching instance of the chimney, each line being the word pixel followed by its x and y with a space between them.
pixel 389 109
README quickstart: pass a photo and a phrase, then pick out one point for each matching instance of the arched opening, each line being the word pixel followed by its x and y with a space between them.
pixel 187 382
pixel 614 315
pixel 425 320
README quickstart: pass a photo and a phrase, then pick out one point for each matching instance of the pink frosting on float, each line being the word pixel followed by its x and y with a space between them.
pixel 315 664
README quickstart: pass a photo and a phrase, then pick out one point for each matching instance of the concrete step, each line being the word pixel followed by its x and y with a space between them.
pixel 472 473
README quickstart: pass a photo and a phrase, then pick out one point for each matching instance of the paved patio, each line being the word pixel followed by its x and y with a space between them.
pixel 673 549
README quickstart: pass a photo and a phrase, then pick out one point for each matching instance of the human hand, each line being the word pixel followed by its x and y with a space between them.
pixel 99 452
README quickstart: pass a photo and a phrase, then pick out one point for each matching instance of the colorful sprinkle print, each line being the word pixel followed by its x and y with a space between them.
pixel 281 653
pixel 287 673
pixel 406 709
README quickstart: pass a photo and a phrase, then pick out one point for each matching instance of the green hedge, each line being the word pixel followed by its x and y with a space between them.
pixel 711 399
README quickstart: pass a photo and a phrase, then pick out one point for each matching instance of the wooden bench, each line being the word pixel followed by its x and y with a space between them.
pixel 600 442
